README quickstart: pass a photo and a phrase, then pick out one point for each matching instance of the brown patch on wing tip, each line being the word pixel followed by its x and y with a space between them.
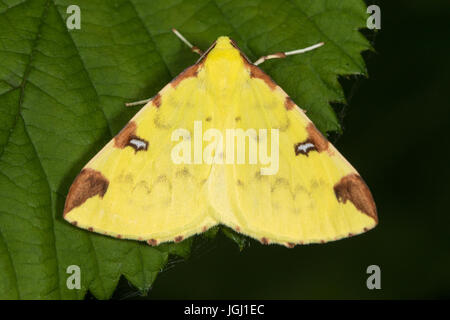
pixel 187 73
pixel 152 242
pixel 178 239
pixel 317 138
pixel 74 223
pixel 157 100
pixel 91 229
pixel 353 188
pixel 264 240
pixel 288 103
pixel 291 244
pixel 237 229
pixel 119 236
pixel 87 184
pixel 204 229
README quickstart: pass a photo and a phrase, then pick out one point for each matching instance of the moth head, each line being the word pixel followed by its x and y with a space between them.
pixel 223 50
pixel 223 62
pixel 224 43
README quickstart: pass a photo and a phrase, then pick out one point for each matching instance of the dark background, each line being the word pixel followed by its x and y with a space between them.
pixel 396 135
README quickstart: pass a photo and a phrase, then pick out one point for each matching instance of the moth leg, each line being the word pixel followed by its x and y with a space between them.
pixel 137 103
pixel 190 45
pixel 288 53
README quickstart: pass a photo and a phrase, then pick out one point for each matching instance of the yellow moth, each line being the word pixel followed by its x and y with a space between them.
pixel 221 144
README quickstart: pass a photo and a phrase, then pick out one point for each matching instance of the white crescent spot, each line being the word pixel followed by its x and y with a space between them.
pixel 138 144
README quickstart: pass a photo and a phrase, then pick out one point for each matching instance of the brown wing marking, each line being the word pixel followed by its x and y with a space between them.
pixel 87 184
pixel 353 188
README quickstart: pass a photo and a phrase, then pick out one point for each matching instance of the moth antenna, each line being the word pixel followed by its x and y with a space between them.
pixel 190 45
pixel 288 53
pixel 137 103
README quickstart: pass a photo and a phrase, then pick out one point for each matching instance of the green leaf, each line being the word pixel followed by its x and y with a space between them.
pixel 239 239
pixel 62 95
